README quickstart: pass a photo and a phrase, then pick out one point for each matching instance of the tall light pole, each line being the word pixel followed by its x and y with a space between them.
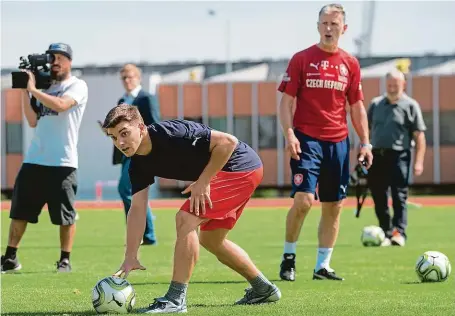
pixel 364 40
pixel 227 39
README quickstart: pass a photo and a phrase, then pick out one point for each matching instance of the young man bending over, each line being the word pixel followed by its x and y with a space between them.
pixel 225 172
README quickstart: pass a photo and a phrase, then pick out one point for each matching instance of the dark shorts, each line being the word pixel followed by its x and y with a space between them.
pixel 323 165
pixel 37 185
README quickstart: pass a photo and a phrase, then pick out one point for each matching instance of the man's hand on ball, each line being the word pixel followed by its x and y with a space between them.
pixel 128 265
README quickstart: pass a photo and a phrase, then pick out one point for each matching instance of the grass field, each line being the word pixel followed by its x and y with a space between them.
pixel 379 281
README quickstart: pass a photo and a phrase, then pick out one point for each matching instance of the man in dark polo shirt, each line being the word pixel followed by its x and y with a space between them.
pixel 395 120
pixel 224 173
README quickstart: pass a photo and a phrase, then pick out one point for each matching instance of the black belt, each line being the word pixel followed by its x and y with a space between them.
pixel 384 151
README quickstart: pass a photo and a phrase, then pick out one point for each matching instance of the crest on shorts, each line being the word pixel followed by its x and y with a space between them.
pixel 298 179
pixel 343 70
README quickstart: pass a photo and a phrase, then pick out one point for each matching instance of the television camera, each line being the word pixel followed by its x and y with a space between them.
pixel 38 64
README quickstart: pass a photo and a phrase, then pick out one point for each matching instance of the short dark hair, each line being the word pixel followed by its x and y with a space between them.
pixel 333 7
pixel 121 113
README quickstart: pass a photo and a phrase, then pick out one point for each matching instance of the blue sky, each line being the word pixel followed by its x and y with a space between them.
pixel 115 32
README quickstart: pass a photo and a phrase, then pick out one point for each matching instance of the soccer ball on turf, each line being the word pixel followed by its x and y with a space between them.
pixel 433 266
pixel 372 236
pixel 113 295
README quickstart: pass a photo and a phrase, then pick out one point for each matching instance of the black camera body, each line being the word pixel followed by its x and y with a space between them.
pixel 38 65
pixel 359 180
pixel 359 176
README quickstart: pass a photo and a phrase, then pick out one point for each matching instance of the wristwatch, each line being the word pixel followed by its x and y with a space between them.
pixel 369 146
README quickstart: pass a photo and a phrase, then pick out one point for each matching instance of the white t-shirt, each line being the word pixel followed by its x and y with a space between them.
pixel 56 134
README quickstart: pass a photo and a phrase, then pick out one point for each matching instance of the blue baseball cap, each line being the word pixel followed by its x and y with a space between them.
pixel 60 48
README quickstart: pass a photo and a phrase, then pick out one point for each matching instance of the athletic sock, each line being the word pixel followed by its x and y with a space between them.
pixel 260 284
pixel 289 248
pixel 176 292
pixel 323 260
pixel 64 255
pixel 10 252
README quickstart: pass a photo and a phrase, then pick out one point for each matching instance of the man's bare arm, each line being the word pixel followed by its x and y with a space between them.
pixel 136 222
pixel 421 144
pixel 359 120
pixel 222 146
pixel 58 104
pixel 30 114
pixel 286 116
pixel 286 104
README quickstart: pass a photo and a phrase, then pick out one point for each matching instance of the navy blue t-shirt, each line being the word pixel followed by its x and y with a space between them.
pixel 180 151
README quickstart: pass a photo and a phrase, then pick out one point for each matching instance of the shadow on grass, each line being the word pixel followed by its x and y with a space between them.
pixel 411 282
pixel 83 313
pixel 101 246
pixel 92 312
pixel 210 305
pixel 192 282
pixel 196 282
pixel 31 272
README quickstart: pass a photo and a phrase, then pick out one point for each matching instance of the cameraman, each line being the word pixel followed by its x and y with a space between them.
pixel 48 172
pixel 395 119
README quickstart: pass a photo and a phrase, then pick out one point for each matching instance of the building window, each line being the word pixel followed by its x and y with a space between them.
pixel 447 127
pixel 194 119
pixel 428 119
pixel 267 132
pixel 218 123
pixel 13 138
pixel 242 129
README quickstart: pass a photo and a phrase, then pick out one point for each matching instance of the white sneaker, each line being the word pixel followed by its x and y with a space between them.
pixel 398 239
pixel 386 242
pixel 162 305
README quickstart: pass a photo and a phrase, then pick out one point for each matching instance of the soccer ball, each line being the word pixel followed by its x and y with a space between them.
pixel 433 266
pixel 113 295
pixel 372 236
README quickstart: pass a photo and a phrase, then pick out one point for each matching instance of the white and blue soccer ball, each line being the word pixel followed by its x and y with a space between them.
pixel 433 266
pixel 372 236
pixel 113 295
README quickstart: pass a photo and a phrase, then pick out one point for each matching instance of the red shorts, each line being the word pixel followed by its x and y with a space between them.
pixel 229 192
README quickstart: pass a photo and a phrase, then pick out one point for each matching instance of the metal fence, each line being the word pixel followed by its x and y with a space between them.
pixel 245 109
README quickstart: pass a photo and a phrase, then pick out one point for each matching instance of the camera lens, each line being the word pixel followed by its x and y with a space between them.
pixel 50 58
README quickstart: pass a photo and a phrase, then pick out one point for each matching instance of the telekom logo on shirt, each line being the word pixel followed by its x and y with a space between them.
pixel 325 64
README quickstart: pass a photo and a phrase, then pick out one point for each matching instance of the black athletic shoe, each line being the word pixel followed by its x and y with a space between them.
pixel 323 274
pixel 10 265
pixel 63 266
pixel 146 242
pixel 287 271
pixel 251 297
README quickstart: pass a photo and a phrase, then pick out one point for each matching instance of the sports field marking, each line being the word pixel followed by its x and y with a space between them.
pixel 422 201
